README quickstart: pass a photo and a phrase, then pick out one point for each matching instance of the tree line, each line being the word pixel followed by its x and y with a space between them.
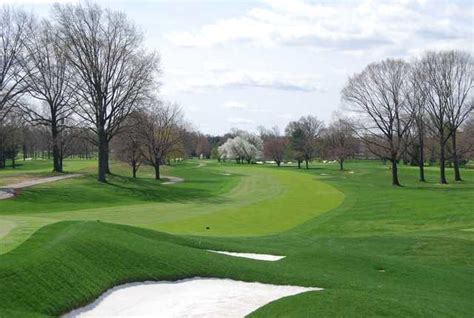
pixel 83 74
pixel 399 104
pixel 82 83
pixel 308 138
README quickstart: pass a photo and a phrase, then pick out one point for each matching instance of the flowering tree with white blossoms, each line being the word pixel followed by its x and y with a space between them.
pixel 243 147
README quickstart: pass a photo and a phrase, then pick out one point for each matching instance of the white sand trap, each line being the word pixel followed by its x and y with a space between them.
pixel 33 182
pixel 260 257
pixel 196 297
pixel 8 191
pixel 172 180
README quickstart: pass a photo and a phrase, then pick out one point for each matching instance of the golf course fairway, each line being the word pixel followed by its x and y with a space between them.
pixel 376 250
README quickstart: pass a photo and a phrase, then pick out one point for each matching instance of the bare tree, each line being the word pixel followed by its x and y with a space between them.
pixel 203 147
pixel 416 96
pixel 340 141
pixel 461 100
pixel 161 132
pixel 274 146
pixel 466 140
pixel 113 72
pixel 128 144
pixel 13 30
pixel 303 135
pixel 377 94
pixel 11 138
pixel 48 78
pixel 449 81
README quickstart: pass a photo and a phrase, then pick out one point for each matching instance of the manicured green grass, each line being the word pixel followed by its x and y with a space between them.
pixel 218 201
pixel 377 250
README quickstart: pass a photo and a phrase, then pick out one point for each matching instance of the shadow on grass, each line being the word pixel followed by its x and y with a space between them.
pixel 153 190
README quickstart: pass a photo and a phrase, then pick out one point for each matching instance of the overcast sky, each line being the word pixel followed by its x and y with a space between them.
pixel 249 63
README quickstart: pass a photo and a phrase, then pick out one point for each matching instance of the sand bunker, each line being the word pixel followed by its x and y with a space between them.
pixel 9 191
pixel 172 180
pixel 261 257
pixel 196 297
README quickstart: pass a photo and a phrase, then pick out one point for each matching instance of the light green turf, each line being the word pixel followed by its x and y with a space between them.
pixel 260 201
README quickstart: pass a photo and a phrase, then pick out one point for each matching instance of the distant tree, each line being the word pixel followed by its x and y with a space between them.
pixel 243 147
pixel 215 154
pixel 303 138
pixel 448 82
pixel 189 143
pixel 11 139
pixel 203 147
pixel 340 141
pixel 275 149
pixel 377 95
pixel 47 77
pixel 274 146
pixel 161 131
pixel 461 101
pixel 113 72
pixel 128 144
pixel 416 96
pixel 13 32
pixel 466 140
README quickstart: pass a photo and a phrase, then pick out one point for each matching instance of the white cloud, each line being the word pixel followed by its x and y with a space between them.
pixel 240 79
pixel 232 104
pixel 240 121
pixel 36 2
pixel 348 26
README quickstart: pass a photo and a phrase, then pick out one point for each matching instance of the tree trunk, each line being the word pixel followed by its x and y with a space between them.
pixel 457 173
pixel 395 180
pixel 278 163
pixel 103 157
pixel 421 158
pixel 442 163
pixel 299 164
pixel 107 166
pixel 306 161
pixel 134 169
pixel 157 171
pixel 341 164
pixel 56 149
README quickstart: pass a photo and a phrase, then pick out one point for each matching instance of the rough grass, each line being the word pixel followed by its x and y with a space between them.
pixel 384 251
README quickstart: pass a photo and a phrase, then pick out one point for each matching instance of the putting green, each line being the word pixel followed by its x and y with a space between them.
pixel 262 201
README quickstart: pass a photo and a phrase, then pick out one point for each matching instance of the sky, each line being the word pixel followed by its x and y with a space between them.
pixel 244 64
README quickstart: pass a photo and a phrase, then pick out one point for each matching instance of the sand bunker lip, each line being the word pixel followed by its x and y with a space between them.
pixel 260 257
pixel 195 297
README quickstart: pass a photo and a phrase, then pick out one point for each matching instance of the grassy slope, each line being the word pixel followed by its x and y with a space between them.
pixel 254 201
pixel 418 235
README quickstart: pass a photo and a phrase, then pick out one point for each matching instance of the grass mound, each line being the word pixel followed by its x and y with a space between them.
pixel 68 264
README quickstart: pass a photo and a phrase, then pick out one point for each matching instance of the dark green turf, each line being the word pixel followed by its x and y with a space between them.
pixel 397 252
